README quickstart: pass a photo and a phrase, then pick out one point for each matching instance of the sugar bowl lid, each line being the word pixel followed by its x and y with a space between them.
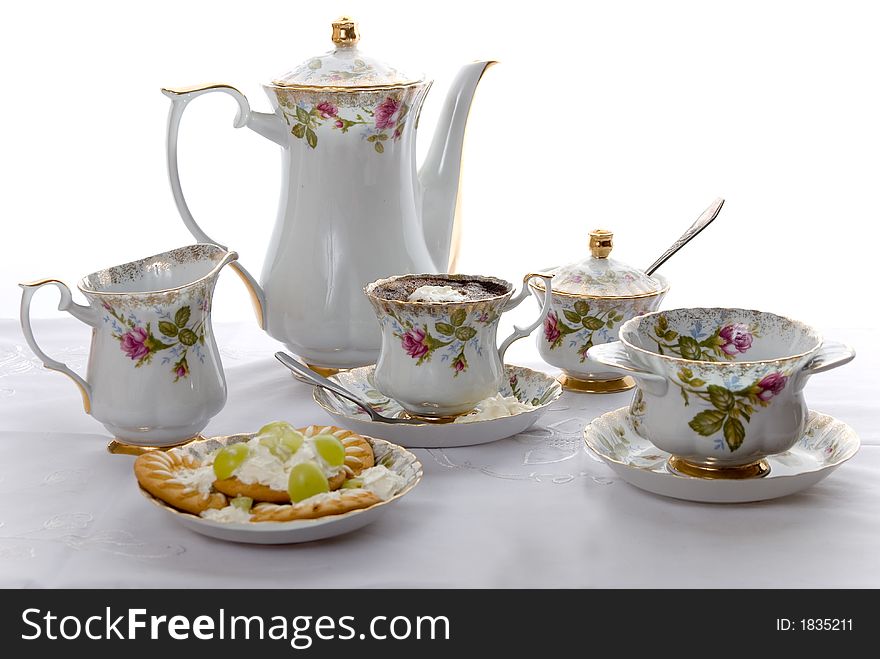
pixel 601 276
pixel 345 67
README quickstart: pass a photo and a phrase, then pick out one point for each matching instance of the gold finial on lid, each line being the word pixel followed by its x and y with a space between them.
pixel 601 243
pixel 345 32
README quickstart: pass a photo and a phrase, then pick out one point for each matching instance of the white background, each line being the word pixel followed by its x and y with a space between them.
pixel 631 116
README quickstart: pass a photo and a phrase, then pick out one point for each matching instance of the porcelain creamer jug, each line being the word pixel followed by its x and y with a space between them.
pixel 353 206
pixel 154 373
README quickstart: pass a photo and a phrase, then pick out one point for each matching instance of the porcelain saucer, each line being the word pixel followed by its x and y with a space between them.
pixel 825 445
pixel 533 387
pixel 393 457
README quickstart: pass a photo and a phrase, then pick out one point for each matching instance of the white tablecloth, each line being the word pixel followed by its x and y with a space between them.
pixel 532 511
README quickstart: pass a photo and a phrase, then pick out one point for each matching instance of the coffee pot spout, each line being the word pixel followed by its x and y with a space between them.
pixel 441 169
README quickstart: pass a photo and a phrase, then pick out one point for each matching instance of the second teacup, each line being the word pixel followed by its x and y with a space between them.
pixel 439 356
pixel 720 389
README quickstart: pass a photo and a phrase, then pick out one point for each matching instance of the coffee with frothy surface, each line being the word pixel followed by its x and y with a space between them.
pixel 440 289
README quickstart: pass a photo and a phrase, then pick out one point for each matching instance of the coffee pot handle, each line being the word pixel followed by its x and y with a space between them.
pixel 522 332
pixel 180 98
pixel 78 311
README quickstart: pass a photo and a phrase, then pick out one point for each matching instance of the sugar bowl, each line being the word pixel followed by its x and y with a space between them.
pixel 590 300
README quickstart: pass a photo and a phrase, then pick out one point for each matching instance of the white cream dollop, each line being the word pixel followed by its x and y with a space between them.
pixel 200 479
pixel 495 407
pixel 227 514
pixel 436 294
pixel 262 466
pixel 381 481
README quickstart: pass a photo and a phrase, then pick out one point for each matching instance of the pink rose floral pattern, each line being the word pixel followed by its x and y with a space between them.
pixel 453 331
pixel 178 336
pixel 414 343
pixel 383 122
pixel 583 323
pixel 728 407
pixel 726 343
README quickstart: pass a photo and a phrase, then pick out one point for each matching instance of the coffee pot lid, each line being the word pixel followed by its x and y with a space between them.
pixel 344 67
pixel 601 276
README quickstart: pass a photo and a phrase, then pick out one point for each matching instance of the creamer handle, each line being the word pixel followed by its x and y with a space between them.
pixel 78 311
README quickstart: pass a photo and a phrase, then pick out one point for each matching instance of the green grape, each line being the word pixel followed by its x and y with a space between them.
pixel 281 439
pixel 292 441
pixel 331 449
pixel 275 429
pixel 244 503
pixel 228 459
pixel 352 484
pixel 306 480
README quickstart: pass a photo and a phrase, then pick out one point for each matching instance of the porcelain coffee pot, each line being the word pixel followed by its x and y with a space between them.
pixel 353 206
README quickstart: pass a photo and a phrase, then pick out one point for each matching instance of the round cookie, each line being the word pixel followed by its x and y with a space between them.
pixel 157 471
pixel 358 456
pixel 345 501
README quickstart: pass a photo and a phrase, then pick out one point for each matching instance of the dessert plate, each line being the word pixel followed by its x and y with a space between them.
pixel 825 445
pixel 395 458
pixel 533 387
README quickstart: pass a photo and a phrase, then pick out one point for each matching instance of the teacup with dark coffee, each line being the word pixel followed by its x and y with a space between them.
pixel 439 356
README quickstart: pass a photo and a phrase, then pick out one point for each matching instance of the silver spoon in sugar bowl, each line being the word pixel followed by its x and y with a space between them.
pixel 702 222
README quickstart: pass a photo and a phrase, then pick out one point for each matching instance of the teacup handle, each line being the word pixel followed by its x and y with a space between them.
pixel 522 332
pixel 78 311
pixel 831 355
pixel 613 354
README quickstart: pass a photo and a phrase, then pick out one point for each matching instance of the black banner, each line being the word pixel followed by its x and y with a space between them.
pixel 287 623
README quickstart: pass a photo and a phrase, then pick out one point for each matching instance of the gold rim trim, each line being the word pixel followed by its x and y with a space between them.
pixel 436 420
pixel 115 447
pixel 587 296
pixel 277 84
pixel 757 469
pixel 326 371
pixel 703 362
pixel 229 257
pixel 188 89
pixel 587 386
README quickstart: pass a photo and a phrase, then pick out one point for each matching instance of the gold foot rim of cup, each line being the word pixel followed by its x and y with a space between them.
pixel 115 447
pixel 432 419
pixel 326 371
pixel 586 386
pixel 757 469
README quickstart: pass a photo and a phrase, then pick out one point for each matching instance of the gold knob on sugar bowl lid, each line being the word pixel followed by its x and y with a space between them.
pixel 601 243
pixel 345 31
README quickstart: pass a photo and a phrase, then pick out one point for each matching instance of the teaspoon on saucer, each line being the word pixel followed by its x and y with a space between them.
pixel 306 375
